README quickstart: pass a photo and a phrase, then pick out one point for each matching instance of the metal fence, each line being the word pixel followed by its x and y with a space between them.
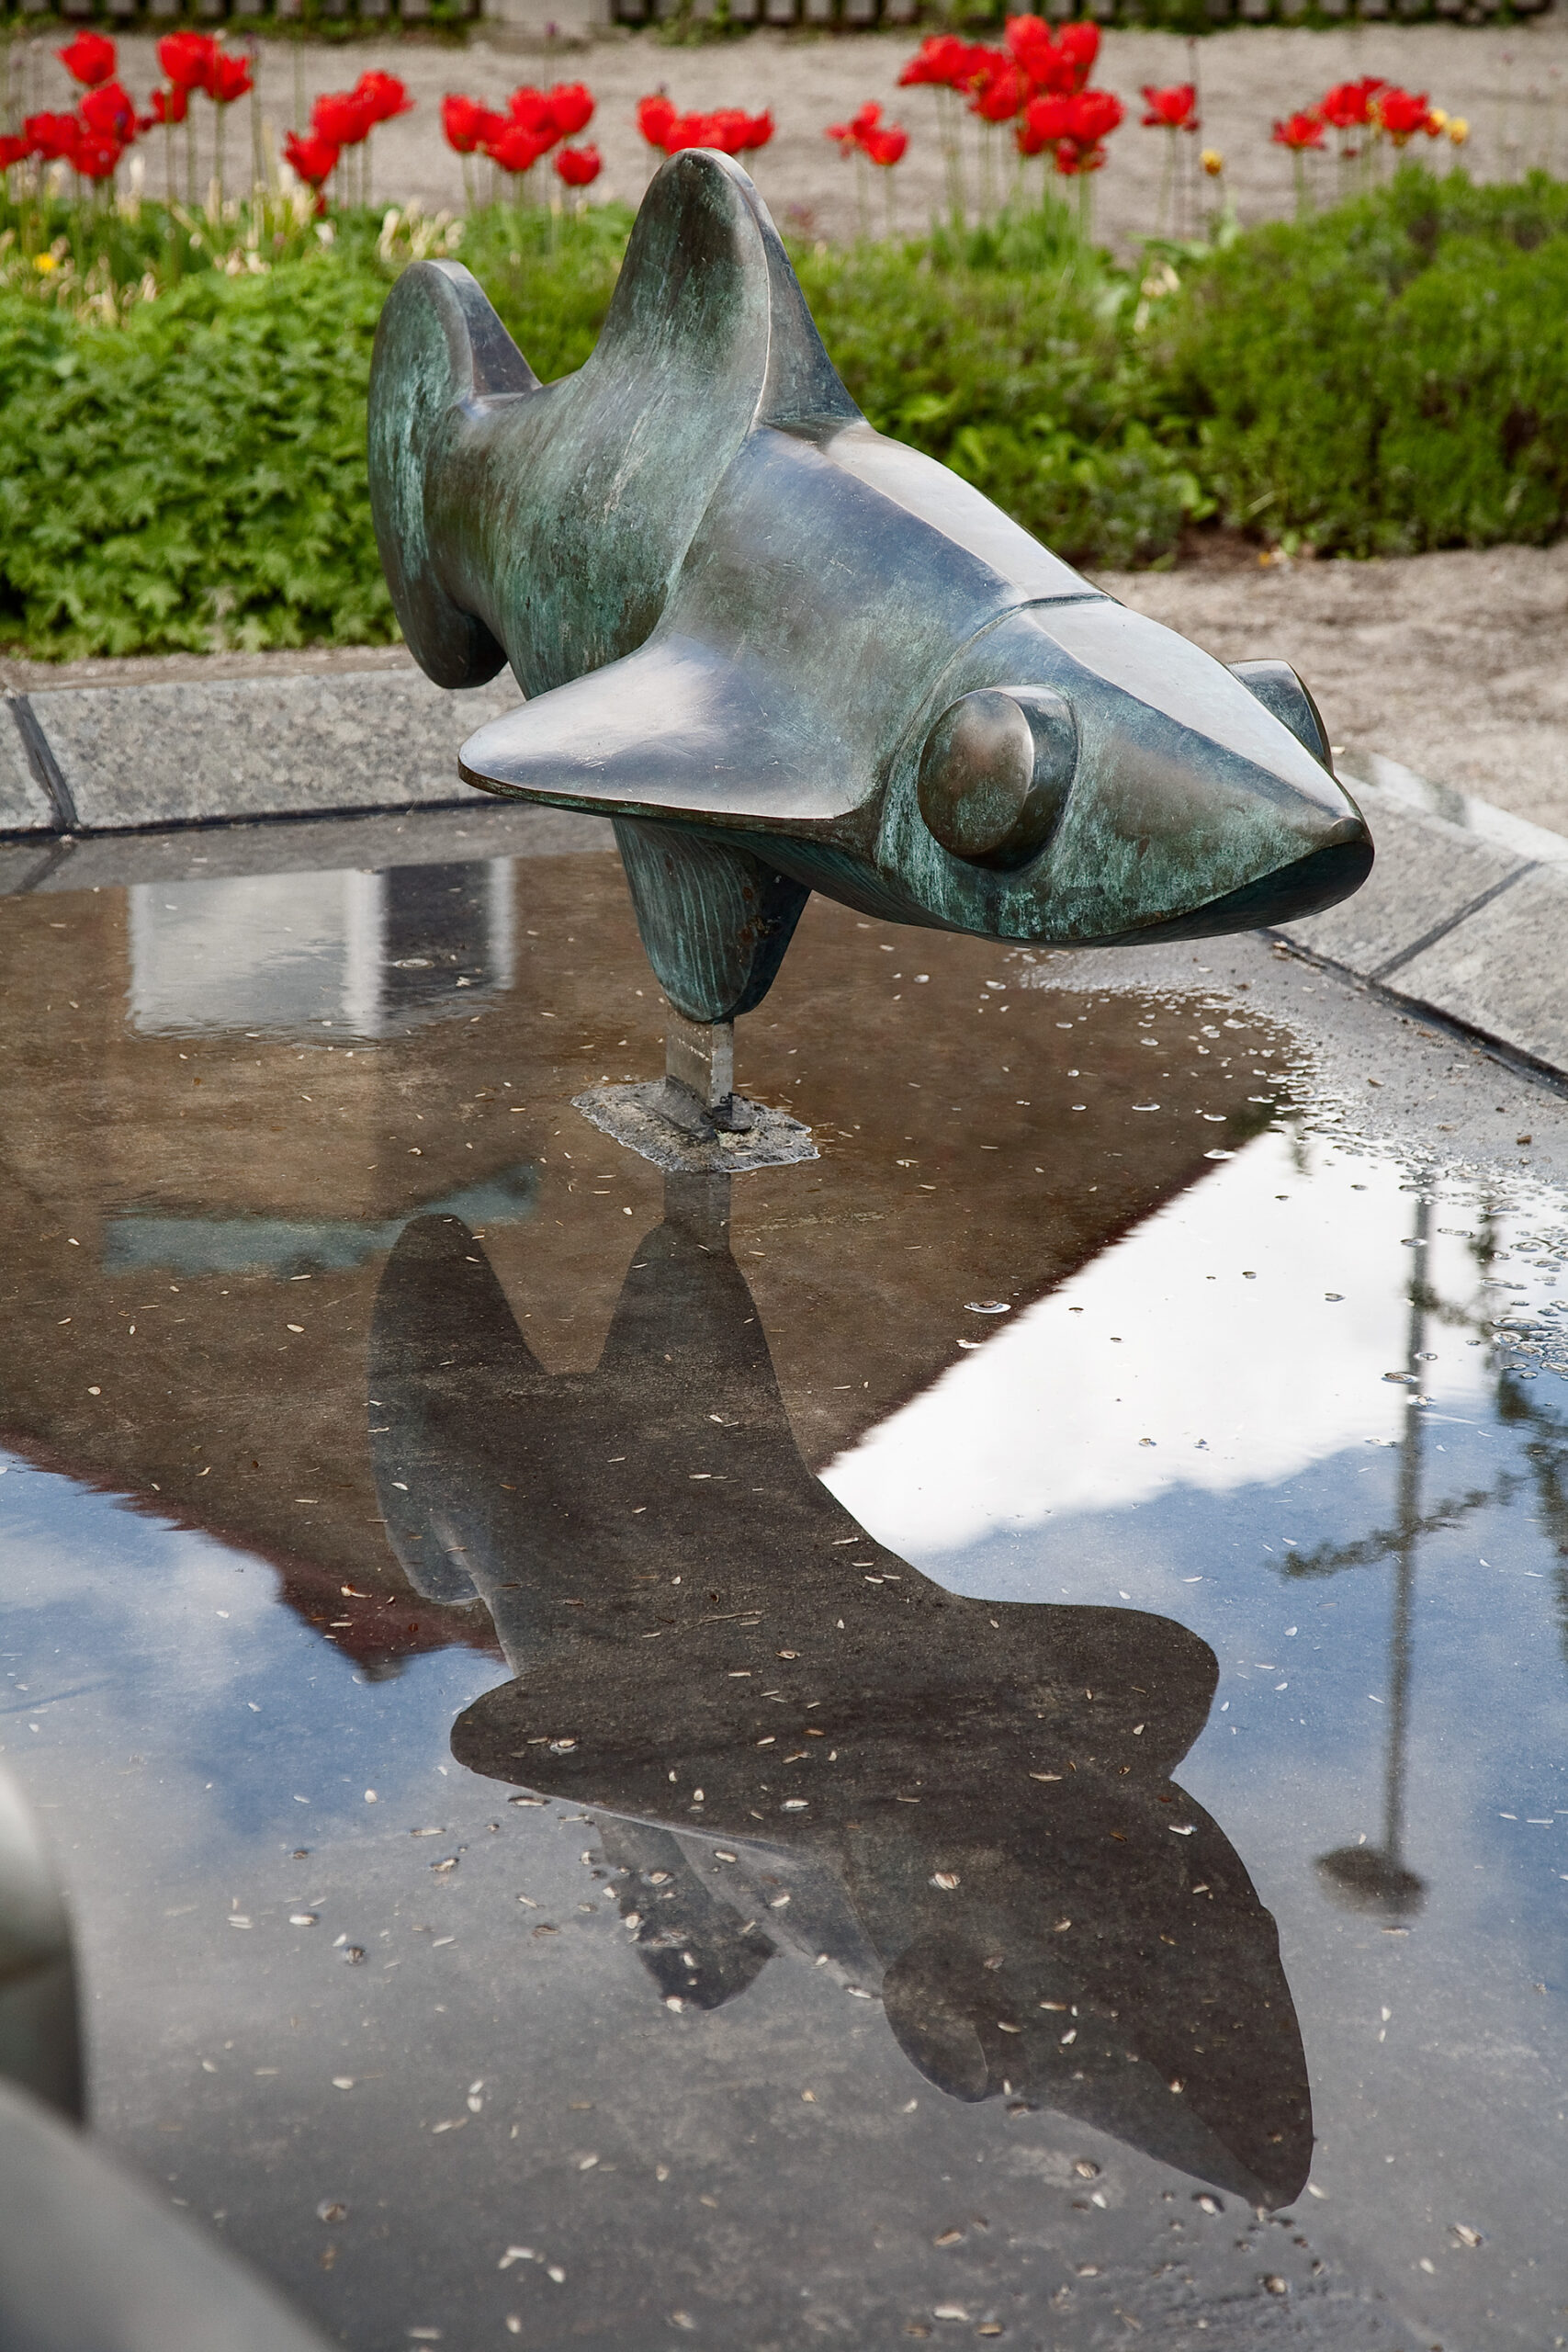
pixel 127 15
pixel 850 16
pixel 1179 16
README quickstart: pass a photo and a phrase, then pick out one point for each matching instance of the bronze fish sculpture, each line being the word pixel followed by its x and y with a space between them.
pixel 785 653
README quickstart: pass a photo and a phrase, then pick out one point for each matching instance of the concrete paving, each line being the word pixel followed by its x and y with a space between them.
pixel 174 754
pixel 1450 662
pixel 25 804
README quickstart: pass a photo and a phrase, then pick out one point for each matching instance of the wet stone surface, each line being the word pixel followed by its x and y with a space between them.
pixel 958 1741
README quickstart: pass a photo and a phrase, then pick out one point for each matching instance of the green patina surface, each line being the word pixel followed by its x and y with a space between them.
pixel 737 613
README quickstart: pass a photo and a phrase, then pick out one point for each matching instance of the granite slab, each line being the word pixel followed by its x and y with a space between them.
pixel 1500 970
pixel 1390 780
pixel 27 859
pixel 191 752
pixel 24 806
pixel 1428 874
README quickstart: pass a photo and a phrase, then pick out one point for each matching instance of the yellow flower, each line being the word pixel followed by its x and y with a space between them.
pixel 45 262
pixel 1458 131
pixel 1436 120
pixel 1214 162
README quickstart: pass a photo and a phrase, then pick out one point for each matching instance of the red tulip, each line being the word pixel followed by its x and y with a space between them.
pixel 579 165
pixel 935 62
pixel 51 137
pixel 1174 108
pixel 1000 93
pixel 13 150
pixel 654 117
pixel 341 118
pixel 687 130
pixel 186 59
pixel 572 109
pixel 530 109
pixel 1348 106
pixel 466 124
pixel 1096 113
pixel 1400 115
pixel 759 130
pixel 945 60
pixel 1298 131
pixel 311 159
pixel 880 142
pixel 727 130
pixel 887 146
pixel 1045 120
pixel 1079 46
pixel 1072 159
pixel 230 78
pixel 1074 127
pixel 516 148
pixel 858 129
pixel 383 96
pixel 96 153
pixel 169 106
pixel 89 59
pixel 108 113
pixel 1030 46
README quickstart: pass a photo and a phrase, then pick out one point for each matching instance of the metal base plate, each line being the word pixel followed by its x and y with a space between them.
pixel 634 1115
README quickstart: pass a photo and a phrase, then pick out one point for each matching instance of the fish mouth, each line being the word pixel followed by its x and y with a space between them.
pixel 1305 886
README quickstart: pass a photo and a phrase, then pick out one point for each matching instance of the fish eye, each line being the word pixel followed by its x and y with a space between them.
pixel 995 774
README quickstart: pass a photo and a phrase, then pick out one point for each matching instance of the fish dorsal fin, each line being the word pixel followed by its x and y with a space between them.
pixel 708 327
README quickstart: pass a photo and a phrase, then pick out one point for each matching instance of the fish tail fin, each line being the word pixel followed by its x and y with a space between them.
pixel 441 350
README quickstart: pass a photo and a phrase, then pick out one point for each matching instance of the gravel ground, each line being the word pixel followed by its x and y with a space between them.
pixel 1453 663
pixel 1511 86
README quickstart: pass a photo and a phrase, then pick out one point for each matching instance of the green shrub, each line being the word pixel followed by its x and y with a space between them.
pixel 1387 377
pixel 195 475
pixel 189 470
pixel 1007 354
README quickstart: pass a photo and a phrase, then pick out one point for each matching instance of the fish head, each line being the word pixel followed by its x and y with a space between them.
pixel 1084 776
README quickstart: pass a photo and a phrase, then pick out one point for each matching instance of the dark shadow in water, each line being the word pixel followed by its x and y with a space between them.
pixel 965 1805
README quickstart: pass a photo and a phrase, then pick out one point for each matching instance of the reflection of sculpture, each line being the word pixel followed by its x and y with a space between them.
pixel 966 1803
pixel 787 654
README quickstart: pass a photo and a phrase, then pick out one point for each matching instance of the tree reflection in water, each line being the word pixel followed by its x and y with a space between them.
pixel 1377 1877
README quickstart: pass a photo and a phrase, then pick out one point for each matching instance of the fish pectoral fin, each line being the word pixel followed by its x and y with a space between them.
pixel 677 730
